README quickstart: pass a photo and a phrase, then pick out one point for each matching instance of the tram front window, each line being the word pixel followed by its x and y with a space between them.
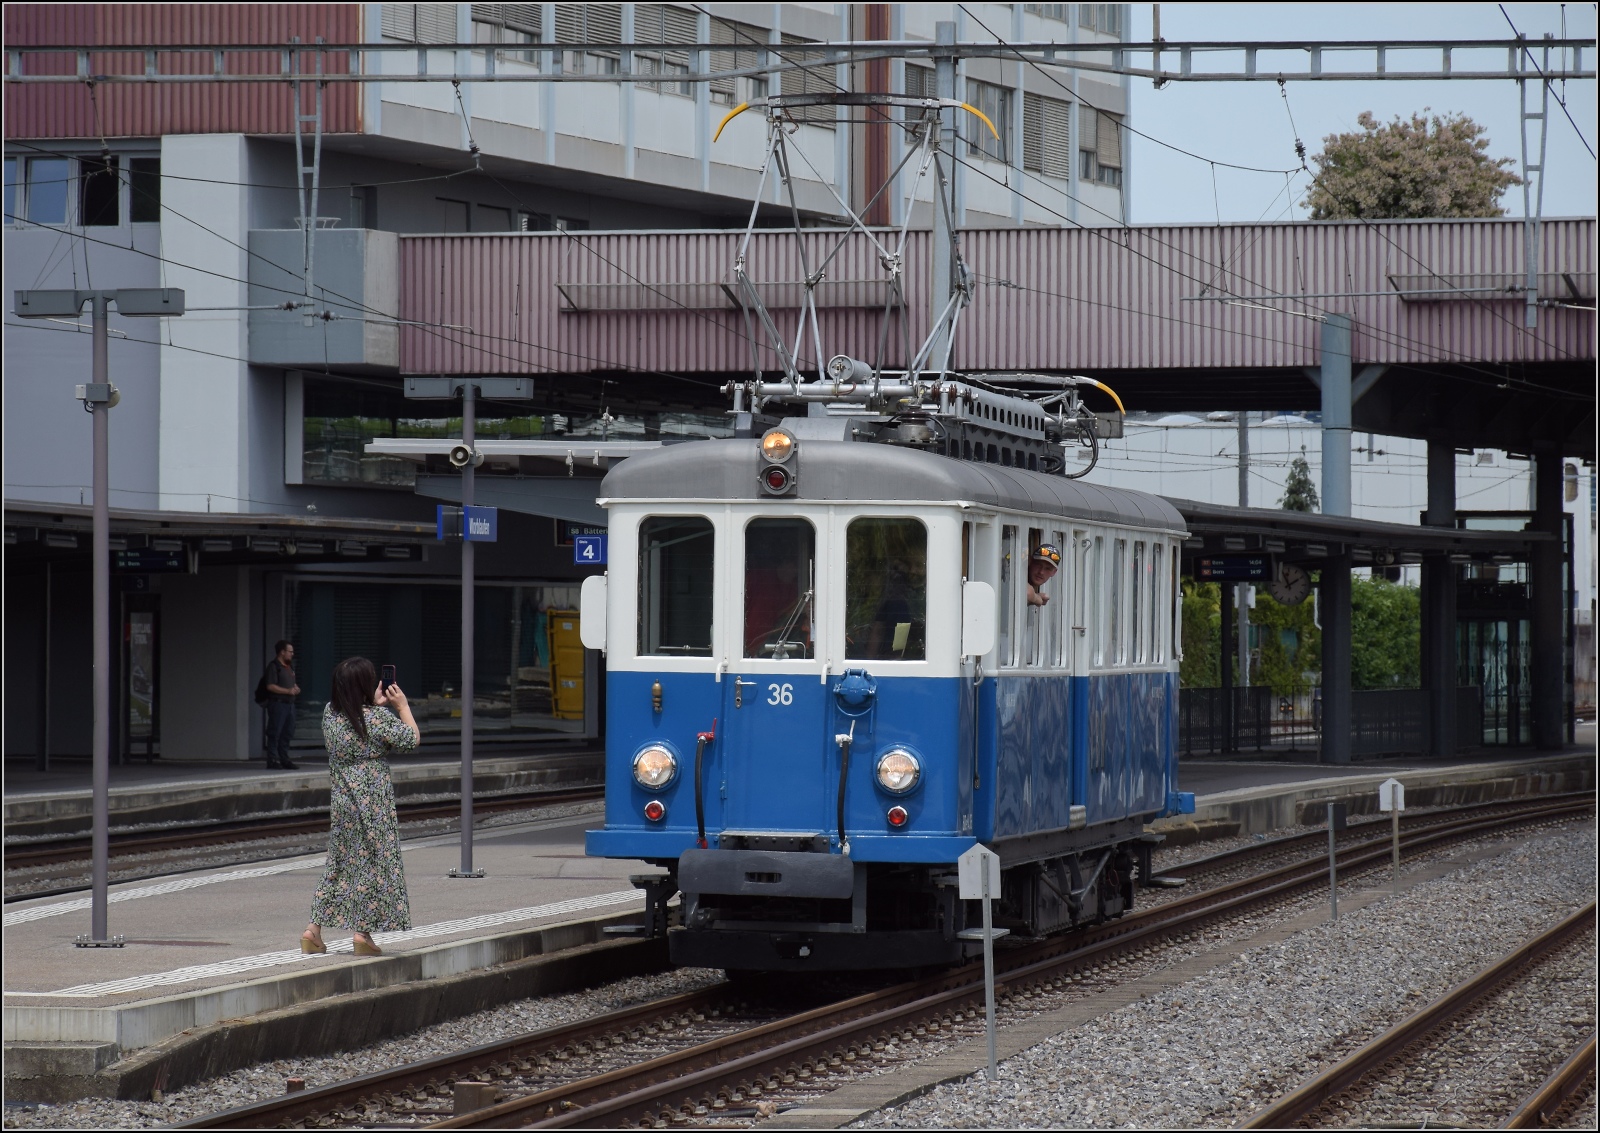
pixel 676 573
pixel 779 588
pixel 886 590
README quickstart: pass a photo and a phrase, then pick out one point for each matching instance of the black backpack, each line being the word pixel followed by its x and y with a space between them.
pixel 262 695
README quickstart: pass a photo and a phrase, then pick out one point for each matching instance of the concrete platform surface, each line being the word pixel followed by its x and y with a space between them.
pixel 225 943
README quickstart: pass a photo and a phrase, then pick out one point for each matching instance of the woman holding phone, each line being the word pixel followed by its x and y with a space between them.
pixel 364 884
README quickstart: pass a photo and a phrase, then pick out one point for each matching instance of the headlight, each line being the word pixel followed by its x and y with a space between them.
pixel 898 771
pixel 654 767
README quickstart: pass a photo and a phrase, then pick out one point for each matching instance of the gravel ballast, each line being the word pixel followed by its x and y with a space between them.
pixel 1210 1053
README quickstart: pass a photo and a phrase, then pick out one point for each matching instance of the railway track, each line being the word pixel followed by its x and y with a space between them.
pixel 1546 1104
pixel 59 851
pixel 1314 1098
pixel 728 1053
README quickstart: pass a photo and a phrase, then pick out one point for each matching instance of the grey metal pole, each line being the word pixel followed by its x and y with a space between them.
pixel 1333 869
pixel 102 629
pixel 1336 655
pixel 469 674
pixel 942 282
pixel 1225 667
pixel 1336 415
pixel 1244 501
pixel 988 972
pixel 1395 824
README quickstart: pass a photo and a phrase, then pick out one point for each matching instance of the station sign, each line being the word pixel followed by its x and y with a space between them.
pixel 471 524
pixel 145 561
pixel 1234 568
pixel 589 550
pixel 567 531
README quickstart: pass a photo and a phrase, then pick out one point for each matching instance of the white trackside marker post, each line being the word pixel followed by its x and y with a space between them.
pixel 978 874
pixel 1392 798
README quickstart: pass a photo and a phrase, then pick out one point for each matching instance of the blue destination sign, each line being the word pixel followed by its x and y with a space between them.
pixel 150 562
pixel 1234 568
pixel 474 524
pixel 589 550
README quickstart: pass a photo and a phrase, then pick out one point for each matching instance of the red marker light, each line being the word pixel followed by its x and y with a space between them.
pixel 654 811
pixel 898 816
pixel 777 479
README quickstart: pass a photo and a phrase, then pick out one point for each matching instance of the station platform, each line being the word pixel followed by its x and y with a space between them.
pixel 211 976
pixel 171 792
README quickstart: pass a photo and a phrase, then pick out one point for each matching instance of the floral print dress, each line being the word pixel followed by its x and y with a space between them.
pixel 364 885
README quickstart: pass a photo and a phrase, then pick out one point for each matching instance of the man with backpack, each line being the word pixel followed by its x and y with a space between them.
pixel 276 691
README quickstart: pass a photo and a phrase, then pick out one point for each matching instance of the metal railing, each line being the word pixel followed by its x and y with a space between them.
pixel 1382 721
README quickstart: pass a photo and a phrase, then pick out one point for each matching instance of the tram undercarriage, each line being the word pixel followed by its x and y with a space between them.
pixel 760 910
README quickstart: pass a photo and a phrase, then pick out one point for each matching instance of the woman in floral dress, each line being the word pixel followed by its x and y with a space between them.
pixel 364 885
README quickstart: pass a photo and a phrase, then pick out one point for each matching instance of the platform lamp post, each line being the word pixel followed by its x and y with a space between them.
pixel 476 525
pixel 98 396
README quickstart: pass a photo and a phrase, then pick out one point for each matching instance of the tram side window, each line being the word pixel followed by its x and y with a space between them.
pixel 1177 608
pixel 1097 586
pixel 1009 570
pixel 1062 584
pixel 1119 567
pixel 1157 578
pixel 1136 597
pixel 779 588
pixel 676 575
pixel 886 590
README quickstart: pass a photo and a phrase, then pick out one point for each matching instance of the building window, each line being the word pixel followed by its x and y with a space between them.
pixel 665 23
pixel 144 190
pixel 1103 18
pixel 454 216
pixel 1046 144
pixel 589 23
pixel 492 218
pixel 996 103
pixel 746 48
pixel 814 77
pixel 508 23
pixel 44 190
pixel 1099 146
pixel 1048 11
pixel 534 222
pixel 420 23
pixel 99 192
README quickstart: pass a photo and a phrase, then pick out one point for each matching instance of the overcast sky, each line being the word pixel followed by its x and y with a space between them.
pixel 1249 124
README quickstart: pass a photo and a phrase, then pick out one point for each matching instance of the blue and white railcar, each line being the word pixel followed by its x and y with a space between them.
pixel 825 682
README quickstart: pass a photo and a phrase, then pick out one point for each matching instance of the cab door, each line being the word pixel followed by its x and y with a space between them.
pixel 774 699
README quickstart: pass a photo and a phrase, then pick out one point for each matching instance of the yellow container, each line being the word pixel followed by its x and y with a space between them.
pixel 566 664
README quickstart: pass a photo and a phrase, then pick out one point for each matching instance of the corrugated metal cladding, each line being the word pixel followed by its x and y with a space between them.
pixel 136 110
pixel 1101 299
pixel 504 288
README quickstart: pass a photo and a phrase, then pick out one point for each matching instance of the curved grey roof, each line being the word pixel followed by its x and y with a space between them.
pixel 837 470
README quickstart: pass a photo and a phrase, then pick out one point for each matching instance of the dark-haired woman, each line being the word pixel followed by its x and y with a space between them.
pixel 364 885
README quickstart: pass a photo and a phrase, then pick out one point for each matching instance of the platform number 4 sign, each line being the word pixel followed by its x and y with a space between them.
pixel 589 550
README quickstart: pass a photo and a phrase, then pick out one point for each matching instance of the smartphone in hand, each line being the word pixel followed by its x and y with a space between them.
pixel 386 677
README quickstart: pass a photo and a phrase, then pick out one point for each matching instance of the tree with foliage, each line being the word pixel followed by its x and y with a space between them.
pixel 1385 634
pixel 1202 626
pixel 1424 168
pixel 1299 493
pixel 1289 645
